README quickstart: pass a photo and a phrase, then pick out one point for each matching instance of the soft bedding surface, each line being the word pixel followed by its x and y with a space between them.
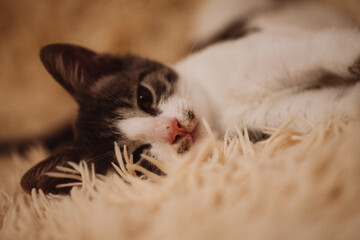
pixel 291 186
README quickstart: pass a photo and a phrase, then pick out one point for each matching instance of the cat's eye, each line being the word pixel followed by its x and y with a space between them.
pixel 145 99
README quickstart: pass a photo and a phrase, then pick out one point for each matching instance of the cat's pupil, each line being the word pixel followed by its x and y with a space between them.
pixel 145 99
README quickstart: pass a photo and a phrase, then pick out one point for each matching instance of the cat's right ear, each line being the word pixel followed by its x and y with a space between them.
pixel 77 68
pixel 36 177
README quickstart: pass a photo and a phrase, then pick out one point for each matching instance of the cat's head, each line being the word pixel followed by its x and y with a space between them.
pixel 125 99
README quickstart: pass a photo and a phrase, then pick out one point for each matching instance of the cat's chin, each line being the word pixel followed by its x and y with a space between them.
pixel 185 143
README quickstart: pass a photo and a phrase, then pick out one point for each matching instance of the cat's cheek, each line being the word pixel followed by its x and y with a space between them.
pixel 147 129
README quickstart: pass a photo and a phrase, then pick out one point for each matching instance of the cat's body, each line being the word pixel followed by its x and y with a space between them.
pixel 272 78
pixel 274 73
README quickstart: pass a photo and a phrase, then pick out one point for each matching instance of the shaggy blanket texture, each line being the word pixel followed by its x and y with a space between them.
pixel 291 186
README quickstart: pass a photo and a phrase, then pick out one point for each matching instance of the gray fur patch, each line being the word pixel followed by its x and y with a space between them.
pixel 237 29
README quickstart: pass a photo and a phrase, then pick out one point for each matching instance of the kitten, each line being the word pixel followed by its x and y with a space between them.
pixel 269 76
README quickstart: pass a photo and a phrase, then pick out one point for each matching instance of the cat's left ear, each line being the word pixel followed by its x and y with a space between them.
pixel 77 68
pixel 36 177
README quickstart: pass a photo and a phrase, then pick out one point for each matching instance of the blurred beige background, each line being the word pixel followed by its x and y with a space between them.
pixel 31 103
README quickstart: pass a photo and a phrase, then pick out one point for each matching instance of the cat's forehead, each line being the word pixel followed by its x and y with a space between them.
pixel 134 71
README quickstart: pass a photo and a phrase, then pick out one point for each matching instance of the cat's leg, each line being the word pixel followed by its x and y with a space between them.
pixel 306 59
pixel 311 75
pixel 303 108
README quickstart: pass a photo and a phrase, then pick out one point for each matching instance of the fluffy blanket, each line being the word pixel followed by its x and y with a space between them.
pixel 291 186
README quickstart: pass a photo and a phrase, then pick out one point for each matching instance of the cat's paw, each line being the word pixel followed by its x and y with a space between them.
pixel 355 68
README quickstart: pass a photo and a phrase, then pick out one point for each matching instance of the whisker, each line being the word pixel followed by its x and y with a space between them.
pixel 99 157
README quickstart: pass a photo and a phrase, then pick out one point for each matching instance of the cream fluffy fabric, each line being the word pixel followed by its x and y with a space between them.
pixel 291 186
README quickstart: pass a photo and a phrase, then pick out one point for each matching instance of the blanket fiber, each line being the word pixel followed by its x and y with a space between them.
pixel 291 186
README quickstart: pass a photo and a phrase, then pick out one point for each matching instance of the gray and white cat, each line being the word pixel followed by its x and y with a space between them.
pixel 273 62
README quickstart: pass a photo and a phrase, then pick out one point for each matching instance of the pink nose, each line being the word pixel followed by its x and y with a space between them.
pixel 177 132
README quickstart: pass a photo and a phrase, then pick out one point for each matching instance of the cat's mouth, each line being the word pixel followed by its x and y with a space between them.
pixel 184 143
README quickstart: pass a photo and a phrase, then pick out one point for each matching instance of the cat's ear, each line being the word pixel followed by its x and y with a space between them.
pixel 77 68
pixel 36 177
